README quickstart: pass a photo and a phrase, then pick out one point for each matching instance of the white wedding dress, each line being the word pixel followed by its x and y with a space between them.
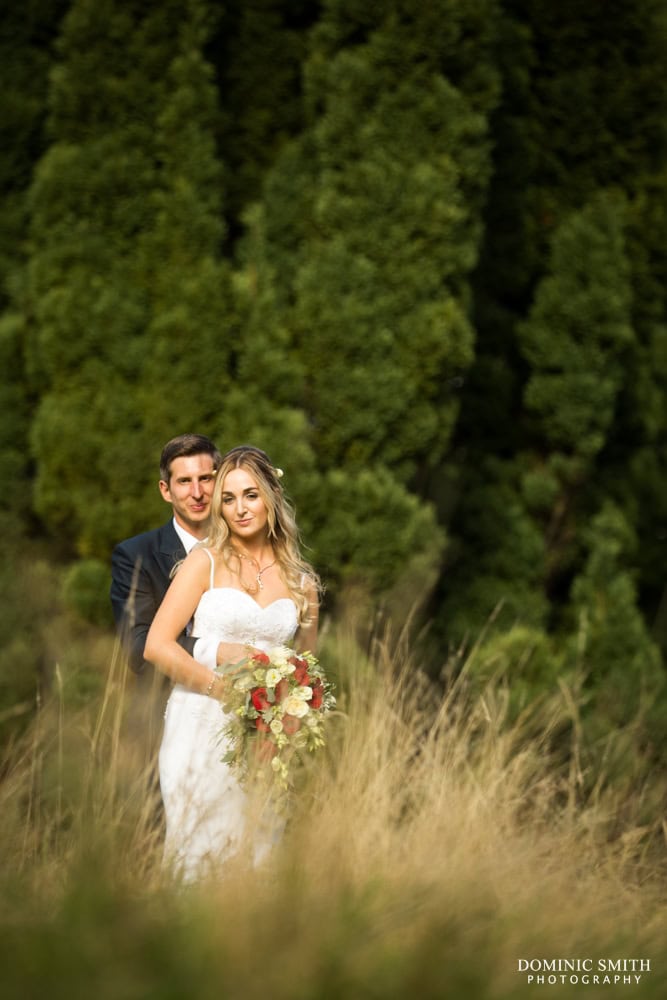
pixel 205 806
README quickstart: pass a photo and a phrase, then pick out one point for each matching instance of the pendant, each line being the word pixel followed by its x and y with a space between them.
pixel 260 585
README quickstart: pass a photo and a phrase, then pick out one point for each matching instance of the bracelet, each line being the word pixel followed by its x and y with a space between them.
pixel 212 681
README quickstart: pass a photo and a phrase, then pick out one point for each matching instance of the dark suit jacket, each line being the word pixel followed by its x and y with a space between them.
pixel 140 569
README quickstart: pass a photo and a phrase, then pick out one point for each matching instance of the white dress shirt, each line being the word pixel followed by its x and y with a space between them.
pixel 205 650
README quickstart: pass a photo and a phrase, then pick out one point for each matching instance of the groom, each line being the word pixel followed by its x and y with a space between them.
pixel 141 566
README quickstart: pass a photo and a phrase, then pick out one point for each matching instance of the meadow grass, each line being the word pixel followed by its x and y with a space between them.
pixel 432 847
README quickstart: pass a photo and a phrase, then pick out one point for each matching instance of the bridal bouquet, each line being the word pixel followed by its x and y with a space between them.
pixel 277 709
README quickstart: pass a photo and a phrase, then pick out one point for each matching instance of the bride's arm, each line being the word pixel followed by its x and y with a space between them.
pixel 174 613
pixel 306 637
pixel 176 610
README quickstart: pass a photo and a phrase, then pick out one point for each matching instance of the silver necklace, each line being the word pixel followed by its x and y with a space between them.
pixel 258 577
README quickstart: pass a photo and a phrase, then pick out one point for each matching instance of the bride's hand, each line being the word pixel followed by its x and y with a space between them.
pixel 225 676
pixel 234 661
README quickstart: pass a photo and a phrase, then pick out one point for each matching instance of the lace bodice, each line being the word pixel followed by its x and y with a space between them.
pixel 231 615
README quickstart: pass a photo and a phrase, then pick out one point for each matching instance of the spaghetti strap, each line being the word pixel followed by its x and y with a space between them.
pixel 210 555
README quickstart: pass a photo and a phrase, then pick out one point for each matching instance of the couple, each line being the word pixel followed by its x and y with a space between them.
pixel 243 587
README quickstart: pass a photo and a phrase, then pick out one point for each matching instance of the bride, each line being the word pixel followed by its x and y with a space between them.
pixel 249 589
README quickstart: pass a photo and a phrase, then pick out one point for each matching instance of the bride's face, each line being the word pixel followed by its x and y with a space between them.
pixel 242 506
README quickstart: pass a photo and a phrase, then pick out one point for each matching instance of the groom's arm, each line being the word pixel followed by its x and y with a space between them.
pixel 135 597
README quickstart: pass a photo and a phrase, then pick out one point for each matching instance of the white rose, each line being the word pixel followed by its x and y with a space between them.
pixel 278 656
pixel 272 677
pixel 305 693
pixel 276 726
pixel 295 706
pixel 244 683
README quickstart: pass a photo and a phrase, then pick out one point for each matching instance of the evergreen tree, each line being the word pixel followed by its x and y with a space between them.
pixel 193 323
pixel 611 639
pixel 635 466
pixel 504 584
pixel 578 340
pixel 582 115
pixel 578 334
pixel 258 49
pixel 402 153
pixel 129 308
pixel 368 231
pixel 27 34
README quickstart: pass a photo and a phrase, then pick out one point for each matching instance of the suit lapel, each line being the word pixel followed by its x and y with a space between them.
pixel 170 544
pixel 172 551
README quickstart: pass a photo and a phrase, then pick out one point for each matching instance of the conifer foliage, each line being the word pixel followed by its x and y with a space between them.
pixel 127 289
pixel 414 250
pixel 367 234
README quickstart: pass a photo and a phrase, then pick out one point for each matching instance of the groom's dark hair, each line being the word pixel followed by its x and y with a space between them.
pixel 186 444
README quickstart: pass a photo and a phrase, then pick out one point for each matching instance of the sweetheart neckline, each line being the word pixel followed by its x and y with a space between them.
pixel 262 607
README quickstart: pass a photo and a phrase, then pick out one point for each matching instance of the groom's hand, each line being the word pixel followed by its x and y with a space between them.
pixel 232 655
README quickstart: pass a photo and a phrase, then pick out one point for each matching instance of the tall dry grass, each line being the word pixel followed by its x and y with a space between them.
pixel 432 847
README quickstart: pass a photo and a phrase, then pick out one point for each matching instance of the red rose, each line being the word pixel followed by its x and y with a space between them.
pixel 298 661
pixel 261 658
pixel 282 690
pixel 301 675
pixel 262 726
pixel 318 695
pixel 291 724
pixel 259 699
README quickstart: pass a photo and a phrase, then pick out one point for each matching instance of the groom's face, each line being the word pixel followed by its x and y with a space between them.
pixel 189 491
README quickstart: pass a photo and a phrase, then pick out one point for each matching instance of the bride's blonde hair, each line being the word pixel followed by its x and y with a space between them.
pixel 299 575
